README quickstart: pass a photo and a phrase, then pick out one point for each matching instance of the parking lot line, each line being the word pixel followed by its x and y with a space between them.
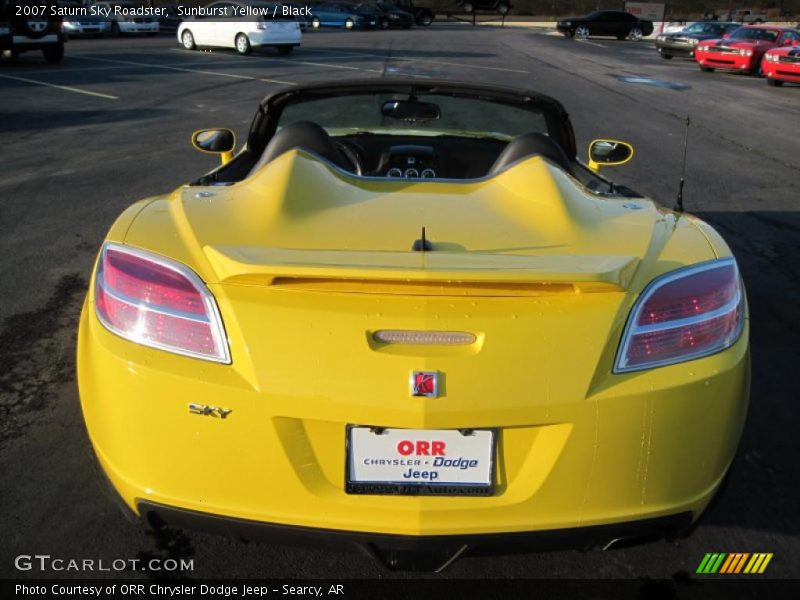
pixel 61 87
pixel 427 60
pixel 185 70
pixel 300 62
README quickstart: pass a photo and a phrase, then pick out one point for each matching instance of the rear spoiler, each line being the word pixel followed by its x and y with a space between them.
pixel 264 266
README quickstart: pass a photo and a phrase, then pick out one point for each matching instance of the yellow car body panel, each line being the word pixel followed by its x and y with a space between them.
pixel 306 262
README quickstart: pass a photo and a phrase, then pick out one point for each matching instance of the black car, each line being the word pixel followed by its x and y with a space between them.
pixel 386 14
pixel 685 41
pixel 614 23
pixel 422 16
pixel 498 6
pixel 171 18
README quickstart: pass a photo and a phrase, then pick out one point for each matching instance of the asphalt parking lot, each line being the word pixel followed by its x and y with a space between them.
pixel 83 140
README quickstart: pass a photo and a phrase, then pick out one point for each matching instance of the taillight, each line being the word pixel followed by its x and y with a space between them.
pixel 157 302
pixel 683 315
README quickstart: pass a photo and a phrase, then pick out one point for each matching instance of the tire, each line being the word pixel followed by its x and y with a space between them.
pixel 284 50
pixel 384 24
pixel 468 7
pixel 581 32
pixel 315 23
pixel 502 8
pixel 349 23
pixel 774 82
pixel 242 44
pixel 635 34
pixel 53 54
pixel 187 40
pixel 115 29
pixel 666 56
pixel 425 20
pixel 707 69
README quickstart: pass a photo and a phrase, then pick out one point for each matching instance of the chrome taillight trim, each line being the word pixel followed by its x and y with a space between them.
pixel 209 302
pixel 632 329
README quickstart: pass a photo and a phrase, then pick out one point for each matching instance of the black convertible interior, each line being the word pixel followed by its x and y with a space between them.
pixel 412 157
pixel 398 129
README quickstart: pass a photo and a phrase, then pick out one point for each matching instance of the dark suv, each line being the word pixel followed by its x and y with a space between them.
pixel 31 25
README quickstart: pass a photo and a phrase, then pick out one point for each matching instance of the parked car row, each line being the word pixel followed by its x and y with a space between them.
pixel 766 51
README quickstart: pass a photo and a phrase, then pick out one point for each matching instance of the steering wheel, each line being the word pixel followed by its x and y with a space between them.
pixel 352 154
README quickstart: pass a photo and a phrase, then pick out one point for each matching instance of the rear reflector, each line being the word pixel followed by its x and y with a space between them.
pixel 157 302
pixel 684 315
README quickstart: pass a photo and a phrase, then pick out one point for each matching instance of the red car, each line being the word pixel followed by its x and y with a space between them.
pixel 782 64
pixel 743 49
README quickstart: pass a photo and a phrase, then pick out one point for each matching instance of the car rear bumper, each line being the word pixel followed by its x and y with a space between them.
pixel 429 553
pixel 638 446
pixel 278 38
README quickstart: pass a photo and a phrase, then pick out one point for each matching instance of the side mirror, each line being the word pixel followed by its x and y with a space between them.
pixel 608 153
pixel 215 141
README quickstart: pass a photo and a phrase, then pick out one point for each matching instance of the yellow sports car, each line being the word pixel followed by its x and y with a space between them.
pixel 405 318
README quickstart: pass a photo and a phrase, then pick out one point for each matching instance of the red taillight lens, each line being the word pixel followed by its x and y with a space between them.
pixel 684 315
pixel 157 302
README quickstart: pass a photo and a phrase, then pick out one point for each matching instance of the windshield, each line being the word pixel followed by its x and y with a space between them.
pixel 714 28
pixel 767 35
pixel 454 115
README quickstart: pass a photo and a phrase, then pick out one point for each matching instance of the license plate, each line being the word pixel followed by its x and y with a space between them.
pixel 446 462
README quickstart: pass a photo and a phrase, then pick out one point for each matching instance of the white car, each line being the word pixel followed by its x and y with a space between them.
pixel 243 25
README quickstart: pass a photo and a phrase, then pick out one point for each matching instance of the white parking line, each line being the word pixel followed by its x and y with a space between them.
pixel 185 70
pixel 298 62
pixel 427 60
pixel 61 87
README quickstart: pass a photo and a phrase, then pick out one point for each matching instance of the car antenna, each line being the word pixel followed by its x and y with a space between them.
pixel 679 200
pixel 422 244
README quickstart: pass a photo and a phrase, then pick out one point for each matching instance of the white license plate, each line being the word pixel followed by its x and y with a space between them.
pixel 419 461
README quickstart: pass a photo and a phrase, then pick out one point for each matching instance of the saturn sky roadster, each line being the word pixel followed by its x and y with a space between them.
pixel 404 317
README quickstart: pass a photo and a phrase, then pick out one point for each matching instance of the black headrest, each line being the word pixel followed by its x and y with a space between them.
pixel 308 136
pixel 531 144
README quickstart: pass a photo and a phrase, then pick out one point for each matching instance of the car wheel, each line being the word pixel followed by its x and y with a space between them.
pixel 348 23
pixel 315 23
pixel 774 82
pixel 53 54
pixel 242 43
pixel 666 56
pixel 635 34
pixel 582 32
pixel 285 50
pixel 425 20
pixel 187 39
pixel 115 29
pixel 467 7
pixel 502 8
pixel 707 69
pixel 384 23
